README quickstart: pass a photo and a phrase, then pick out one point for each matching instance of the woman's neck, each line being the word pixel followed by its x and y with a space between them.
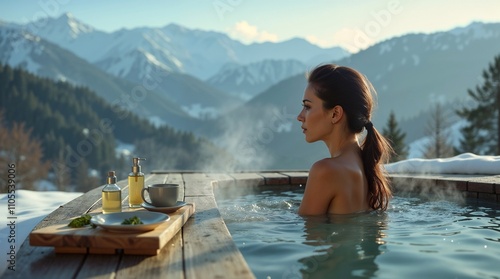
pixel 343 146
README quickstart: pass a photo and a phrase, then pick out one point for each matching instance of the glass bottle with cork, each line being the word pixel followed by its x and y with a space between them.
pixel 111 195
pixel 135 184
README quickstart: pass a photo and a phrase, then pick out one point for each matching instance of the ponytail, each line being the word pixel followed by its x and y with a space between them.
pixel 376 151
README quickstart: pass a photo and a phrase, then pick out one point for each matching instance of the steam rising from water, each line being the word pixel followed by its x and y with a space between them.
pixel 463 164
pixel 428 190
pixel 246 136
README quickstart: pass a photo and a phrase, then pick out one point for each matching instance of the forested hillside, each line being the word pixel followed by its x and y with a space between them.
pixel 76 128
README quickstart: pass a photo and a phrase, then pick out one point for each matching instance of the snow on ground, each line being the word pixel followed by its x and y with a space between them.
pixel 466 163
pixel 29 208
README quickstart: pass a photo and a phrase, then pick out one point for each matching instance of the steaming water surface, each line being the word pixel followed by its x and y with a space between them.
pixel 415 238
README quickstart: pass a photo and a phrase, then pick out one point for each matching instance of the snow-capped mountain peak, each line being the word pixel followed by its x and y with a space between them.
pixel 63 28
pixel 478 30
pixel 246 81
pixel 18 48
pixel 75 26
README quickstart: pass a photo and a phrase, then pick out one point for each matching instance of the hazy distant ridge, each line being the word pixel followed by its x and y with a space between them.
pixel 172 47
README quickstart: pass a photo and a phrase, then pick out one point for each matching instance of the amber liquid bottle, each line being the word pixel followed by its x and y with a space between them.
pixel 135 184
pixel 111 195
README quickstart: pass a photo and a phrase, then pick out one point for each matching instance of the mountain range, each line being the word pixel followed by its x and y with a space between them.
pixel 203 81
pixel 169 63
pixel 172 47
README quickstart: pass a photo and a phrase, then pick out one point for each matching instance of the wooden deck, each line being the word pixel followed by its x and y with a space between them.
pixel 203 248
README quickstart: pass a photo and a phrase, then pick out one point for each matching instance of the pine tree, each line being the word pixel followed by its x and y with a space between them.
pixel 84 180
pixel 396 137
pixel 482 133
pixel 62 172
pixel 439 145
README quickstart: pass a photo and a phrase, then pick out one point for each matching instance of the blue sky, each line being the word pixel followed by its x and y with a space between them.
pixel 353 24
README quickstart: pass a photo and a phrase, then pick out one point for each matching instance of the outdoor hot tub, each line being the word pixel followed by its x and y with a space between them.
pixel 428 231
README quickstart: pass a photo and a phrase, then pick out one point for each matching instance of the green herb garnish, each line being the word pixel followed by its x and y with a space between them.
pixel 80 221
pixel 132 221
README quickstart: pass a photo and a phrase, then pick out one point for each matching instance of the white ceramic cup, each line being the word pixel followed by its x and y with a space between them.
pixel 161 195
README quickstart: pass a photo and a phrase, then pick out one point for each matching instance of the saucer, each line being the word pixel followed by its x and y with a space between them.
pixel 166 209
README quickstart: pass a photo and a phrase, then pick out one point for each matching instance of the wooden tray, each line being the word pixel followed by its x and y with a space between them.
pixel 99 241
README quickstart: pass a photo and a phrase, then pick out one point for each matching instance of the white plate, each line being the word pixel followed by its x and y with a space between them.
pixel 113 221
pixel 166 209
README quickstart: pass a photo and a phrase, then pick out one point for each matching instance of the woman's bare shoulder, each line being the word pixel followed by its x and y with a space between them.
pixel 327 166
pixel 335 171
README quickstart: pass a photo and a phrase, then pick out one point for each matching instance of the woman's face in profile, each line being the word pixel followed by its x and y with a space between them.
pixel 316 121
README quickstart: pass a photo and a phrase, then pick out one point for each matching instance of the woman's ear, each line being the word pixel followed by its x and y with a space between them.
pixel 337 114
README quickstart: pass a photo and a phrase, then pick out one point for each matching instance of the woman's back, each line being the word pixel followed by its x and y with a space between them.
pixel 352 191
pixel 336 186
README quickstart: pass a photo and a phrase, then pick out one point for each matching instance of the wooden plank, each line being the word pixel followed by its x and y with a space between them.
pixel 221 179
pixel 174 178
pixel 60 235
pixel 101 251
pixel 167 264
pixel 247 179
pixel 155 179
pixel 231 187
pixel 146 252
pixel 272 178
pixel 297 177
pixel 42 262
pixel 70 250
pixel 197 184
pixel 99 266
pixel 209 250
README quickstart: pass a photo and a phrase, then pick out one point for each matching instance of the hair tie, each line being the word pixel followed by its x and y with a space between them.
pixel 369 125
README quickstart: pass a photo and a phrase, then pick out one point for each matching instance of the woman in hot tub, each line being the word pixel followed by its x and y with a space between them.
pixel 337 106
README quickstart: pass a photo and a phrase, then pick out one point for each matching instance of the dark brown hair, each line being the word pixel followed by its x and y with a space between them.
pixel 343 86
